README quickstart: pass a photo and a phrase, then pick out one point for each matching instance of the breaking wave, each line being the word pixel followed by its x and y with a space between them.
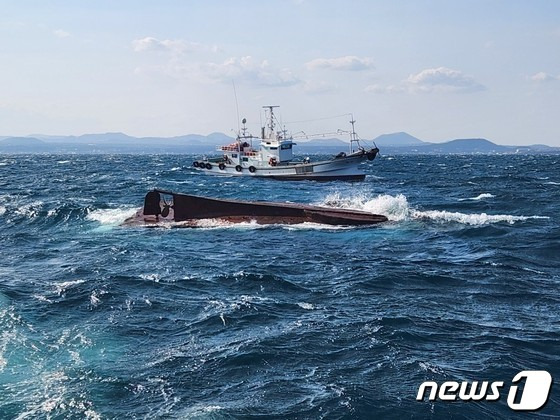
pixel 111 216
pixel 470 219
pixel 397 209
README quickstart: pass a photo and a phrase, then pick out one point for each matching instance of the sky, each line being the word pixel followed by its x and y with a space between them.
pixel 436 69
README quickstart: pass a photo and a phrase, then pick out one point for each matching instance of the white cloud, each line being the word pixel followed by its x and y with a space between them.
pixel 176 46
pixel 249 70
pixel 439 79
pixel 61 33
pixel 544 77
pixel 442 79
pixel 349 63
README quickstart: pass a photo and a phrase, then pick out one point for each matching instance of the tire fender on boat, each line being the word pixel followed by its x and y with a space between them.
pixel 252 169
pixel 222 166
pixel 195 164
pixel 238 168
pixel 208 166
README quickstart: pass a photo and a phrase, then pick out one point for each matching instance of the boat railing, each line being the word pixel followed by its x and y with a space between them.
pixel 230 148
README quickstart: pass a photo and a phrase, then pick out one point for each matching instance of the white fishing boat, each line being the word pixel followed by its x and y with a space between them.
pixel 274 157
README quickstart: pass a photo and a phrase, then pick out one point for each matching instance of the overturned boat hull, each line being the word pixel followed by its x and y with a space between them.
pixel 190 208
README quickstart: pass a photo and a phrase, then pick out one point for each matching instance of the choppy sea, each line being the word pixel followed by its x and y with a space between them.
pixel 250 321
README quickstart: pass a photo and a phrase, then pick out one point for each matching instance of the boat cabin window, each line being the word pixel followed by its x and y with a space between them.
pixel 234 155
pixel 274 148
pixel 286 146
pixel 245 159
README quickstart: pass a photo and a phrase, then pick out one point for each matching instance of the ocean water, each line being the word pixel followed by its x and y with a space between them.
pixel 242 321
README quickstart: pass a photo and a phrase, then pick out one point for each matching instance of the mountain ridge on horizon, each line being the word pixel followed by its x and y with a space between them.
pixel 398 142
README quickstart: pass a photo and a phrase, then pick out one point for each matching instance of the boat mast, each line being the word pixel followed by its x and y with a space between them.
pixel 353 135
pixel 270 121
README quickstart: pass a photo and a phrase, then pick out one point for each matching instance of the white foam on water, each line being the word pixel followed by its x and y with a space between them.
pixel 479 197
pixel 63 286
pixel 253 225
pixel 552 183
pixel 429 367
pixel 221 223
pixel 94 299
pixel 201 411
pixel 176 168
pixel 62 162
pixel 397 209
pixel 30 210
pixel 2 210
pixel 314 226
pixel 41 298
pixel 111 216
pixel 470 219
pixel 151 277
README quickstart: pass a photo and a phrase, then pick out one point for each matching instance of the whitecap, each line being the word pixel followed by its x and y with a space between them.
pixel 395 208
pixel 470 218
pixel 429 367
pixel 30 210
pixel 552 183
pixel 201 411
pixel 479 197
pixel 176 168
pixel 151 277
pixel 532 270
pixel 111 216
pixel 63 286
pixel 62 162
pixel 94 300
pixel 41 298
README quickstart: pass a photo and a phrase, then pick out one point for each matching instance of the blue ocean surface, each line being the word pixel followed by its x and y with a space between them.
pixel 103 321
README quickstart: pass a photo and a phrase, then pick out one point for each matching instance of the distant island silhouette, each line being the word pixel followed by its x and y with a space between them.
pixel 393 143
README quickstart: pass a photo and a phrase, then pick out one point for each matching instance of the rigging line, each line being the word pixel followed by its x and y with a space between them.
pixel 236 105
pixel 319 119
pixel 301 134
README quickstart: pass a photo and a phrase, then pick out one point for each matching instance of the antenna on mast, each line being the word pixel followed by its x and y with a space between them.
pixel 353 135
pixel 271 118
